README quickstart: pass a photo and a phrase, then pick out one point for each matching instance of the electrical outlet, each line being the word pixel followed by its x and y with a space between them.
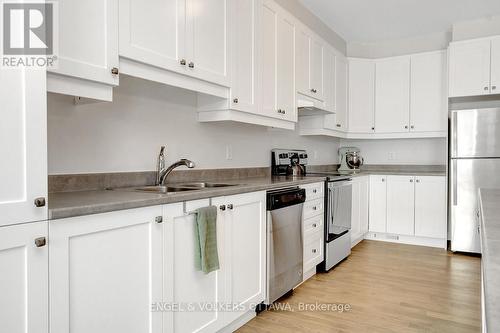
pixel 229 152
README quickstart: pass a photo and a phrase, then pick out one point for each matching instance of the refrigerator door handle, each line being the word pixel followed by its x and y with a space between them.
pixel 453 134
pixel 454 181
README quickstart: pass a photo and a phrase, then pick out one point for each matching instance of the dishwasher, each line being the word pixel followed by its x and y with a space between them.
pixel 284 241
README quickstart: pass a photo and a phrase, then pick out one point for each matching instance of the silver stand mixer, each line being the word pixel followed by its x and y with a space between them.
pixel 350 159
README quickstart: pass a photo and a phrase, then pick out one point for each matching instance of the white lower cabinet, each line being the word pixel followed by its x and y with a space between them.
pixel 24 278
pixel 359 217
pixel 134 270
pixel 313 216
pixel 194 290
pixel 408 209
pixel 378 204
pixel 243 218
pixel 106 272
pixel 400 205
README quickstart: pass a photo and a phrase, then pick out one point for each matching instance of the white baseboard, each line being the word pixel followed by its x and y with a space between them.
pixel 410 240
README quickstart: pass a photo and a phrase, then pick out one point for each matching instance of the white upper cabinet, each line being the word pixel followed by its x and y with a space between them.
pixel 495 65
pixel 329 79
pixel 361 95
pixel 188 37
pixel 470 68
pixel 23 146
pixel 400 205
pixel 245 55
pixel 430 207
pixel 24 282
pixel 105 272
pixel 392 95
pixel 88 49
pixel 429 105
pixel 154 34
pixel 309 63
pixel 341 93
pixel 207 42
pixel 278 63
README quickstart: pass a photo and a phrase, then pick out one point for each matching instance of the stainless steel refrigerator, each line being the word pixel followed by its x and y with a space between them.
pixel 474 163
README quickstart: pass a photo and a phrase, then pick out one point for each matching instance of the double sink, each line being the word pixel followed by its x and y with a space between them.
pixel 181 187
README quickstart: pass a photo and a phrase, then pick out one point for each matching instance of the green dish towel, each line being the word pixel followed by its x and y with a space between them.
pixel 206 256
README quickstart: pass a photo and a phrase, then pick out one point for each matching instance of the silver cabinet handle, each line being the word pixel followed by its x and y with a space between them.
pixel 411 180
pixel 159 219
pixel 486 88
pixel 40 202
pixel 284 111
pixel 454 182
pixel 314 91
pixel 418 180
pixel 412 127
pixel 222 207
pixel 314 225
pixel 339 125
pixel 314 251
pixel 406 126
pixel 314 191
pixel 191 65
pixel 315 208
pixel 183 62
pixel 230 206
pixel 493 87
pixel 383 180
pixel 115 71
pixel 235 101
pixel 279 110
pixel 373 128
pixel 40 242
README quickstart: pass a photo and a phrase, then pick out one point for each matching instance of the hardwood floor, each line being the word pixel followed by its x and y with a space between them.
pixel 390 288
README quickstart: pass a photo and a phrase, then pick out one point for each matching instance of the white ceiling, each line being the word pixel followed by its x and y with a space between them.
pixel 377 20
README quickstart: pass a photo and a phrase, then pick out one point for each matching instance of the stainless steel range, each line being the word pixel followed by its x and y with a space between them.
pixel 338 204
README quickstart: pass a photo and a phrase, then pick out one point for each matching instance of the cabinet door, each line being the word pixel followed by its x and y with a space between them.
pixel 106 272
pixel 341 93
pixel 269 60
pixel 88 40
pixel 24 279
pixel 361 96
pixel 207 41
pixel 429 105
pixel 355 210
pixel 245 54
pixel 469 68
pixel 245 255
pixel 430 207
pixel 183 282
pixel 154 34
pixel 329 79
pixel 378 203
pixel 392 95
pixel 495 65
pixel 302 61
pixel 316 69
pixel 364 194
pixel 400 205
pixel 286 67
pixel 23 145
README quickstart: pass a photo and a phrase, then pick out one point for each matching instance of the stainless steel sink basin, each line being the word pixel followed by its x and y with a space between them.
pixel 201 185
pixel 164 189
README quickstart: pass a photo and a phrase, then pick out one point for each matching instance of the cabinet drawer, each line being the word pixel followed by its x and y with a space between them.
pixel 313 251
pixel 313 225
pixel 313 208
pixel 314 191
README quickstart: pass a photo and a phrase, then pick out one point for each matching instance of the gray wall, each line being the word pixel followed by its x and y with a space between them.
pixel 478 28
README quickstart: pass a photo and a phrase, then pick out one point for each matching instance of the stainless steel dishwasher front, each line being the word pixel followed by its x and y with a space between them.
pixel 284 241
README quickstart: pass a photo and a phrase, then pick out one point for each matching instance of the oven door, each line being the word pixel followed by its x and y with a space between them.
pixel 339 209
